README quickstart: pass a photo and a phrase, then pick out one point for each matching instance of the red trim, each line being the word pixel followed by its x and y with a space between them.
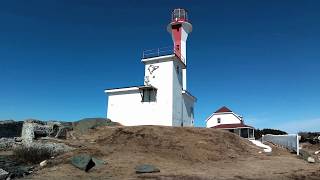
pixel 223 109
pixel 179 20
pixel 231 126
pixel 176 34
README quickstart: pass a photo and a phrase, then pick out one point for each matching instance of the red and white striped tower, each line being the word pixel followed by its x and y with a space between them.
pixel 179 28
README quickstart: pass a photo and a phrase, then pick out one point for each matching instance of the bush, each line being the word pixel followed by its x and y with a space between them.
pixel 258 133
pixel 311 137
pixel 32 155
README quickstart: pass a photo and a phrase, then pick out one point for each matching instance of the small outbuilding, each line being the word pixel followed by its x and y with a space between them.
pixel 226 119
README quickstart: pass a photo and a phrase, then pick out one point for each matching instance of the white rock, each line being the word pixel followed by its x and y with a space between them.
pixel 3 174
pixel 43 163
pixel 317 152
pixel 311 160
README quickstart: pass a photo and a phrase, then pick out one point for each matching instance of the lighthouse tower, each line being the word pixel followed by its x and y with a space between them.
pixel 163 98
pixel 179 28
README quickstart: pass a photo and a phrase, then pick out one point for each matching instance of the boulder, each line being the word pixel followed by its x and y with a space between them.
pixel 83 162
pixel 3 174
pixel 146 168
pixel 304 154
pixel 317 152
pixel 311 160
pixel 98 162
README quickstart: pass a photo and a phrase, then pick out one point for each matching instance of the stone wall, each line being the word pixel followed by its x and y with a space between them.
pixel 10 128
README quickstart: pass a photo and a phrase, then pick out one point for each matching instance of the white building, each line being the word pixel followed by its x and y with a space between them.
pixel 163 99
pixel 224 118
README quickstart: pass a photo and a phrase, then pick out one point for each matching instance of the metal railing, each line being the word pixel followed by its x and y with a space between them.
pixel 157 52
pixel 163 51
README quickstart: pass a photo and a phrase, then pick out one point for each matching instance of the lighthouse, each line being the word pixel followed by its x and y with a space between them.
pixel 163 98
pixel 179 28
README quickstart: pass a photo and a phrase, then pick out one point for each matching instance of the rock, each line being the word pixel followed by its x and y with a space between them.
pixel 18 139
pixel 317 152
pixel 6 143
pixel 15 169
pixel 86 162
pixel 62 133
pixel 34 129
pixel 304 154
pixel 146 168
pixel 10 128
pixel 98 162
pixel 83 162
pixel 43 163
pixel 311 160
pixel 3 174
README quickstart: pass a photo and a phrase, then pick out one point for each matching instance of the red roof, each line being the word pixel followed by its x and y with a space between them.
pixel 223 109
pixel 231 126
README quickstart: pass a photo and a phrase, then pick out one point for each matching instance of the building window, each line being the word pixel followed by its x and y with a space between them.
pixel 149 95
pixel 218 120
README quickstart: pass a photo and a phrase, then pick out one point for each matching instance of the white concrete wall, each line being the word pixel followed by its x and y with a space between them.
pixel 184 37
pixel 171 107
pixel 177 95
pixel 127 109
pixel 182 104
pixel 226 118
pixel 188 115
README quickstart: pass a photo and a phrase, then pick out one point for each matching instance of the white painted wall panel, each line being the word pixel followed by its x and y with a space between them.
pixel 226 118
pixel 171 107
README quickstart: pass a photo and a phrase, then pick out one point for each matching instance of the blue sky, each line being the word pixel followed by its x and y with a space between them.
pixel 259 58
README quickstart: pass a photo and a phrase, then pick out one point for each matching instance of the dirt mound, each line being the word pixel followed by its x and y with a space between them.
pixel 179 153
pixel 191 144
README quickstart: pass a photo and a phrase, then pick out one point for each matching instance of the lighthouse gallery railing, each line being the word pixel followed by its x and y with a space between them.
pixel 163 51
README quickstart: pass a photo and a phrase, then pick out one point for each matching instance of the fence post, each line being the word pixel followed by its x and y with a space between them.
pixel 298 144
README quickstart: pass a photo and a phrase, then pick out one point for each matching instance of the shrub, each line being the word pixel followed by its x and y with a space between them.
pixel 32 155
pixel 258 133
pixel 311 137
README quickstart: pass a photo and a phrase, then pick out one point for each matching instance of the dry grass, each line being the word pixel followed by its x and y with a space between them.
pixel 32 155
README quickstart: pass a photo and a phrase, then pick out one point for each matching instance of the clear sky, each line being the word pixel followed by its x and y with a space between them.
pixel 259 58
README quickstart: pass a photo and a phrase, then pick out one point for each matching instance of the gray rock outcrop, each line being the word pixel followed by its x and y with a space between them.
pixel 146 168
pixel 3 174
pixel 33 129
pixel 83 162
pixel 10 129
pixel 7 143
pixel 86 162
